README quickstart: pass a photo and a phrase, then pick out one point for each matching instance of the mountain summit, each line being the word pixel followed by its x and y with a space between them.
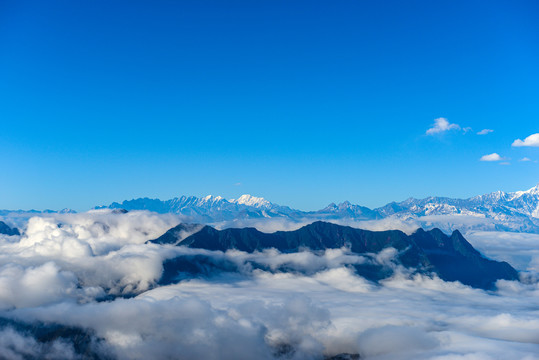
pixel 250 200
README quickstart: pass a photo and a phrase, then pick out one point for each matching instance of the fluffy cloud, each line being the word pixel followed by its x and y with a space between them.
pixel 93 252
pixel 441 125
pixel 485 132
pixel 532 140
pixel 45 284
pixel 15 345
pixel 491 157
pixel 295 316
pixel 519 249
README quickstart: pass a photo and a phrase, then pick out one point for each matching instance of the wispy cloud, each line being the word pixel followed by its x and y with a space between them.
pixel 485 132
pixel 492 157
pixel 441 125
pixel 532 140
pixel 525 159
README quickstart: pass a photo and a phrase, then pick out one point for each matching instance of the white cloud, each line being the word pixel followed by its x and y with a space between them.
pixel 532 140
pixel 519 249
pixel 485 132
pixel 492 157
pixel 15 346
pixel 525 159
pixel 103 251
pixel 21 287
pixel 441 125
pixel 331 312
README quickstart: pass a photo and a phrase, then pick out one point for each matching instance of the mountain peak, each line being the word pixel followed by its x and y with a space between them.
pixel 211 198
pixel 250 200
pixel 534 190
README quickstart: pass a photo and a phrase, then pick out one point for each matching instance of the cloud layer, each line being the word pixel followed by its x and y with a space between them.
pixel 94 271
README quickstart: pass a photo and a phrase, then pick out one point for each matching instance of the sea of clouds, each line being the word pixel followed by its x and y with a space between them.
pixel 94 271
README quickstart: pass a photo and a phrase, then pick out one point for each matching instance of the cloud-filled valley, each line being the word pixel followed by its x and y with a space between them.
pixel 94 276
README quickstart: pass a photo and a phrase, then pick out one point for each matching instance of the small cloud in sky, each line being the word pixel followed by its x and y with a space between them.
pixel 237 184
pixel 532 140
pixel 525 159
pixel 492 157
pixel 467 129
pixel 505 163
pixel 485 132
pixel 441 125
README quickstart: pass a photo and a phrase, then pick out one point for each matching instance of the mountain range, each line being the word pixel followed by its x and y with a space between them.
pixel 498 211
pixel 451 257
pixel 501 211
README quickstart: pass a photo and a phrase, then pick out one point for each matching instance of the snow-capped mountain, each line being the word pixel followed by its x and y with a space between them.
pixel 216 208
pixel 254 201
pixel 345 210
pixel 494 204
pixel 512 211
pixel 209 208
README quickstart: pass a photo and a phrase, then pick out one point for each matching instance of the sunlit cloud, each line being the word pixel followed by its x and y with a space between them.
pixel 492 157
pixel 532 140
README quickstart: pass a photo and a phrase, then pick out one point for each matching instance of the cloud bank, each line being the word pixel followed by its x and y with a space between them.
pixel 94 272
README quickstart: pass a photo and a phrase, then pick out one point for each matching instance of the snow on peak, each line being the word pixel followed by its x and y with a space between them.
pixel 534 190
pixel 212 198
pixel 250 200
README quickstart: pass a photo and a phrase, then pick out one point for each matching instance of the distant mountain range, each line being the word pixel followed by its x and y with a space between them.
pixel 513 211
pixel 452 258
pixel 500 211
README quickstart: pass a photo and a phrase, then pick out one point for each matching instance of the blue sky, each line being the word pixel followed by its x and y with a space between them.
pixel 301 102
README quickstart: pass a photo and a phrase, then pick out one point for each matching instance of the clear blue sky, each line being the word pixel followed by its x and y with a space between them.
pixel 301 102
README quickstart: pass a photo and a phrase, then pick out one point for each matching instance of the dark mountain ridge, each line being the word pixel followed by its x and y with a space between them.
pixel 452 258
pixel 6 230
